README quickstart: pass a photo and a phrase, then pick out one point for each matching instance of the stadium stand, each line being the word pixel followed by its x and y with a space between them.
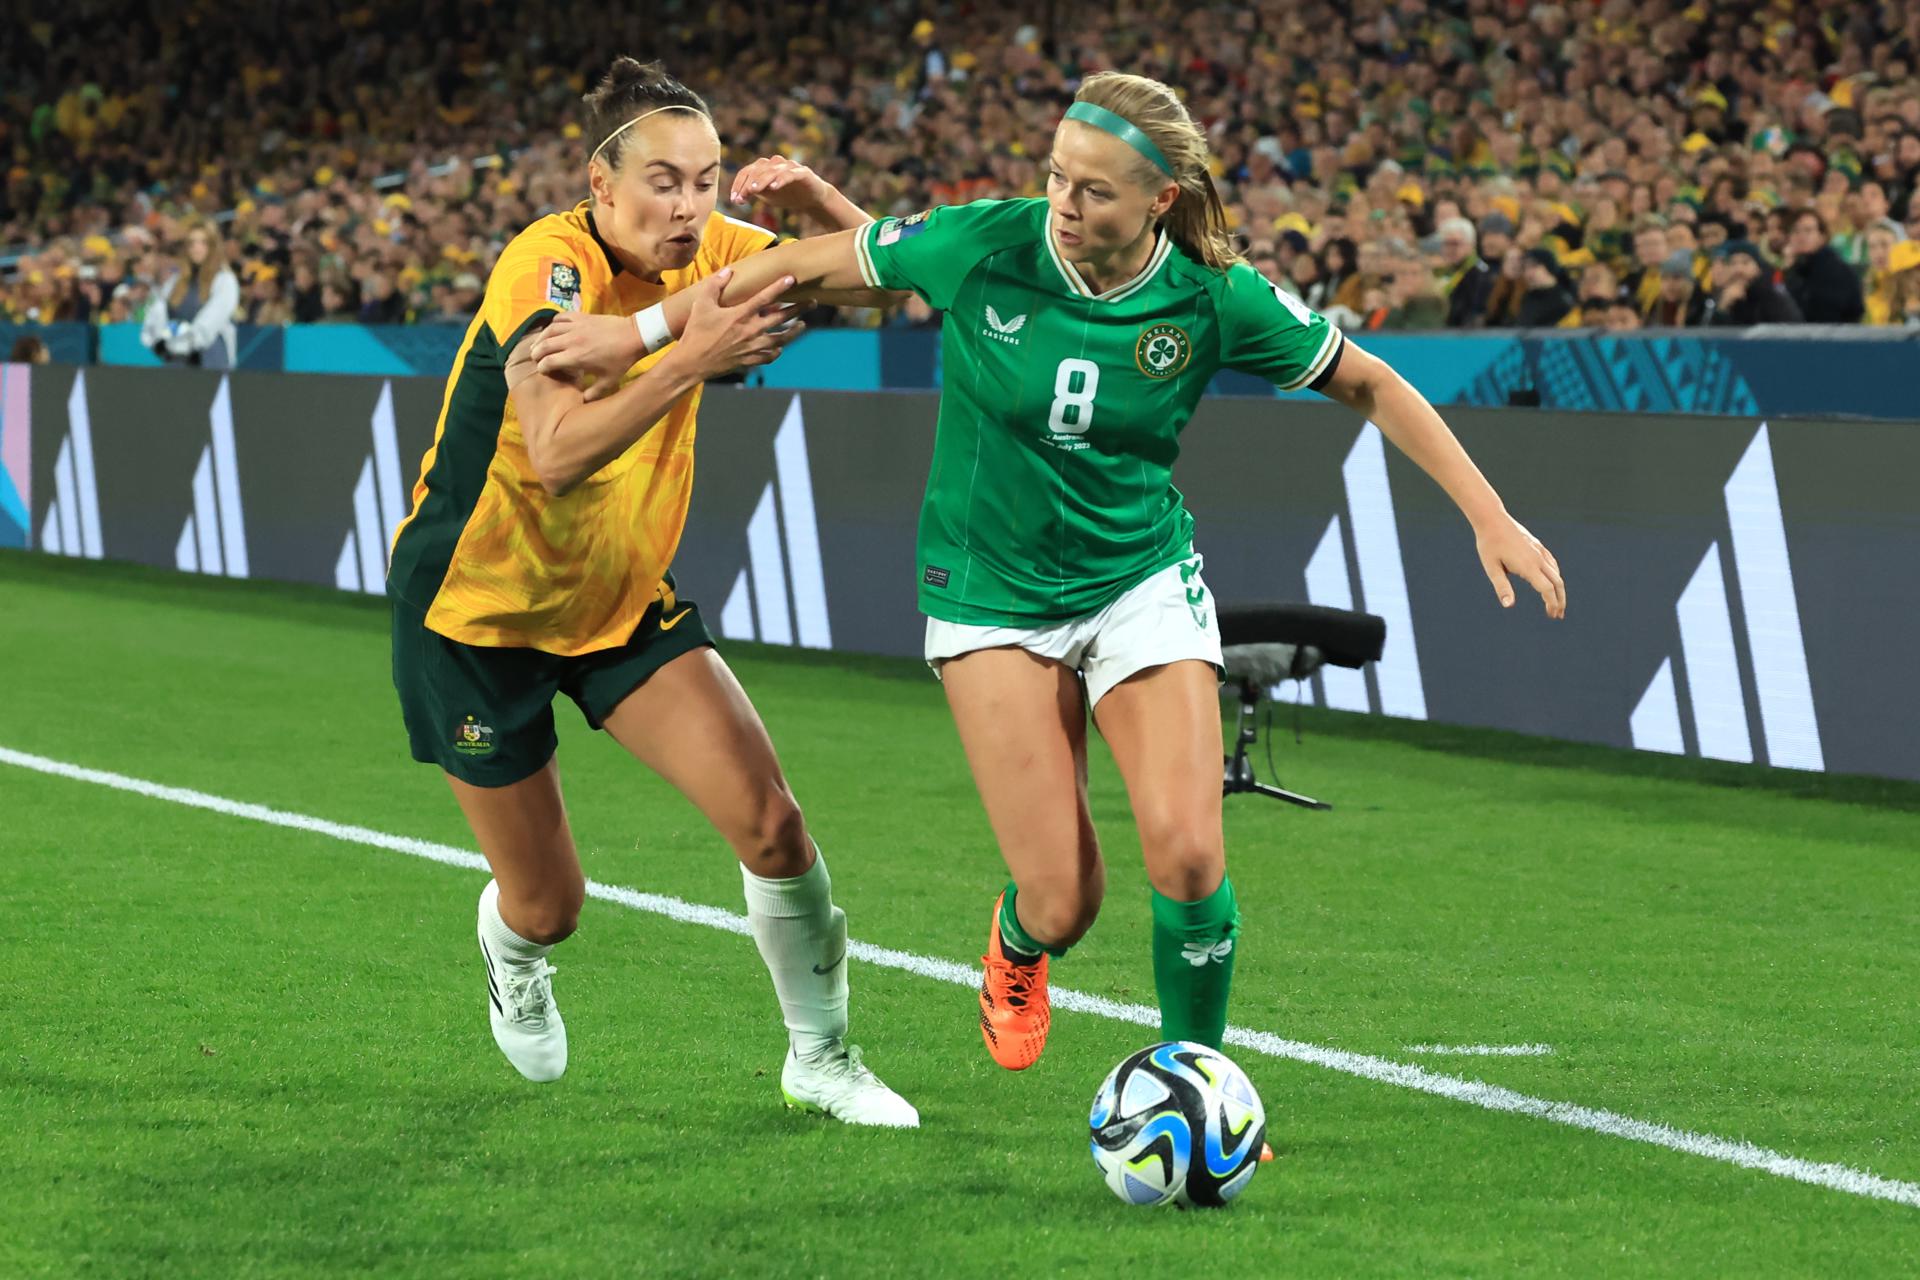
pixel 1399 165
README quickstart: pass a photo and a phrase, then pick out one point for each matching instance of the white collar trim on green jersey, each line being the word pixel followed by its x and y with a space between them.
pixel 1161 248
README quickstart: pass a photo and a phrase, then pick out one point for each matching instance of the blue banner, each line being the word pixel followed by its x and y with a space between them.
pixel 1799 371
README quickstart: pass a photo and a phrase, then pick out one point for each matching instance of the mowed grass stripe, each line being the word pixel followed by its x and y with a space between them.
pixel 1829 1175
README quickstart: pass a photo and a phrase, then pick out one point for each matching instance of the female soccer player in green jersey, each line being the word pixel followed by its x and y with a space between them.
pixel 1056 560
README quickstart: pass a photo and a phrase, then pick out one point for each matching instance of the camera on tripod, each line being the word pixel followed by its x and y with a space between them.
pixel 1264 644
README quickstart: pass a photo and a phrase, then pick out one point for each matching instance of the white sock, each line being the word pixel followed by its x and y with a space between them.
pixel 508 946
pixel 802 937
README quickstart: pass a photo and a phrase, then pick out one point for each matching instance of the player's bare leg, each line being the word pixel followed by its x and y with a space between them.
pixel 1163 725
pixel 1023 724
pixel 532 903
pixel 692 723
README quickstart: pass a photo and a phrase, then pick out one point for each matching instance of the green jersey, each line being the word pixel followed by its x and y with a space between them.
pixel 1052 484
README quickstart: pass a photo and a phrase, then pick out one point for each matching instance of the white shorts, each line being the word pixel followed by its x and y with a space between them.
pixel 1167 618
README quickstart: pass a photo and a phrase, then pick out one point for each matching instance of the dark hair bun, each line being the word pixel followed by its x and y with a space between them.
pixel 628 89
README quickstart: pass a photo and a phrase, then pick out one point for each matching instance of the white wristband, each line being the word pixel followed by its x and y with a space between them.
pixel 652 325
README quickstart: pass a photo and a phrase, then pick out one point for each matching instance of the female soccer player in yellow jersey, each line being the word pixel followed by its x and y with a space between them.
pixel 1056 559
pixel 537 560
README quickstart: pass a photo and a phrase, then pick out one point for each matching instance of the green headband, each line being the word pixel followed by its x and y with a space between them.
pixel 1122 128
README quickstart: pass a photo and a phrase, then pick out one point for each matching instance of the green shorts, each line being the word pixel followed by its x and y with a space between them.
pixel 485 714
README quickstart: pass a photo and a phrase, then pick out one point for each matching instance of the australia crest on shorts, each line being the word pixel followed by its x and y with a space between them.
pixel 471 738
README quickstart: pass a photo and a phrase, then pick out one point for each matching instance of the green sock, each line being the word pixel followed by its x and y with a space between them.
pixel 1193 950
pixel 1020 946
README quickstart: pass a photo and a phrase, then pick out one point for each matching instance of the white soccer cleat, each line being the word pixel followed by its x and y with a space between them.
pixel 841 1085
pixel 526 1022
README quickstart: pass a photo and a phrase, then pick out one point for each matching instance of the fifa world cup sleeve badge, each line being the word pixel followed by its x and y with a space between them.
pixel 563 286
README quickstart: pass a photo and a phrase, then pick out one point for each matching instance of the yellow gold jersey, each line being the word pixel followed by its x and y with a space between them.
pixel 487 553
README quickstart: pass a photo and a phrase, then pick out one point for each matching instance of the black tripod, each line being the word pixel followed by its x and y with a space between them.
pixel 1264 644
pixel 1239 775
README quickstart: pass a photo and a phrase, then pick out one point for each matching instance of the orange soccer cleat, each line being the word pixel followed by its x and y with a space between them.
pixel 1014 1015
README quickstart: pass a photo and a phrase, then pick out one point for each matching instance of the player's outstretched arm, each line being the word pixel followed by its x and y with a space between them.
pixel 821 266
pixel 569 436
pixel 822 269
pixel 787 184
pixel 1368 386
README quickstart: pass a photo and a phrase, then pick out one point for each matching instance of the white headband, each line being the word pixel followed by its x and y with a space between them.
pixel 636 120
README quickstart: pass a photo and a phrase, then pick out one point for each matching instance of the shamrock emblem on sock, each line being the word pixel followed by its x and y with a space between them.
pixel 1198 953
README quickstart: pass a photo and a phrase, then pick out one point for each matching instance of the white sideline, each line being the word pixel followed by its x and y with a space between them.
pixel 1483 1050
pixel 1834 1177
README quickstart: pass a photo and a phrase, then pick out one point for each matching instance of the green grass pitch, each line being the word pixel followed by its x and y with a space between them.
pixel 231 1049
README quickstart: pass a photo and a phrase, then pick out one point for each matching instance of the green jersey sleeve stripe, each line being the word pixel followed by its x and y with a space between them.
pixel 1327 347
pixel 863 254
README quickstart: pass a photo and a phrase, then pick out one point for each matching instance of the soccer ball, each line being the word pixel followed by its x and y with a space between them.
pixel 1177 1122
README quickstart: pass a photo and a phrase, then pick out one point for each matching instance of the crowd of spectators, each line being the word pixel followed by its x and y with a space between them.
pixel 1399 165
